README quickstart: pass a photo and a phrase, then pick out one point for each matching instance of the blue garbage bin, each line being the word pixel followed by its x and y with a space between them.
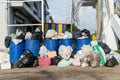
pixel 33 46
pixel 52 44
pixel 66 42
pixel 81 42
pixel 16 50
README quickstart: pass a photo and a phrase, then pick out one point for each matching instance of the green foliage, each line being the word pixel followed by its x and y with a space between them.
pixel 118 50
pixel 74 27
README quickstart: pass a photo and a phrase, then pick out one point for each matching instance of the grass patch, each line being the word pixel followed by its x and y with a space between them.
pixel 118 50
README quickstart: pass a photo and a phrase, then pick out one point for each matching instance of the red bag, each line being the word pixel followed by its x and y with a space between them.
pixel 46 61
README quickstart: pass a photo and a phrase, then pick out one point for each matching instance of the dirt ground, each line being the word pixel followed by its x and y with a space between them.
pixel 55 73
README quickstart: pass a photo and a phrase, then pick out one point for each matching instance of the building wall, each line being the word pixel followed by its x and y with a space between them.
pixel 18 13
pixel 3 23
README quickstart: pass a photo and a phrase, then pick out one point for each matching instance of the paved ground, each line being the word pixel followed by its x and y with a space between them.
pixel 55 73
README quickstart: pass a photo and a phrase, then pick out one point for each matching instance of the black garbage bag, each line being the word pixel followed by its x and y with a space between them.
pixel 26 60
pixel 7 41
pixel 111 62
pixel 20 36
pixel 38 36
pixel 56 60
pixel 105 47
pixel 86 33
pixel 76 34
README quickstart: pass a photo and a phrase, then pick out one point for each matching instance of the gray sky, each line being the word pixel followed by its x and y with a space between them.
pixel 61 12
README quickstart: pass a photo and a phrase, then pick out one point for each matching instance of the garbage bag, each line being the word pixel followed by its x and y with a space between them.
pixel 111 62
pixel 84 58
pixel 65 63
pixel 115 54
pixel 65 51
pixel 105 47
pixel 51 33
pixel 43 51
pixel 76 60
pixel 37 36
pixel 86 33
pixel 67 35
pixel 44 61
pixel 51 54
pixel 28 35
pixel 7 41
pixel 26 60
pixel 19 34
pixel 101 53
pixel 55 60
pixel 76 34
pixel 94 59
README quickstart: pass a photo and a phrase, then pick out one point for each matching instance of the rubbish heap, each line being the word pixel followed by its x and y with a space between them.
pixel 68 49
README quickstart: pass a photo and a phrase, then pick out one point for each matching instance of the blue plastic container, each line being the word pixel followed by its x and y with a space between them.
pixel 16 51
pixel 33 46
pixel 66 42
pixel 81 42
pixel 52 44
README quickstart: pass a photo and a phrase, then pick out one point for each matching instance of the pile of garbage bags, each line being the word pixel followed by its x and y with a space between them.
pixel 95 54
pixel 52 34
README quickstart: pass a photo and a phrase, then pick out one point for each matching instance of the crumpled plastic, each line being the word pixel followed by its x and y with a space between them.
pixel 67 35
pixel 28 35
pixel 65 63
pixel 101 53
pixel 86 49
pixel 115 54
pixel 46 61
pixel 65 52
pixel 51 54
pixel 83 56
pixel 51 33
pixel 76 60
pixel 43 51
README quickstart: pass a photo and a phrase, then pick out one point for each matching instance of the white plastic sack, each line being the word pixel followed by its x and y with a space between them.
pixel 28 35
pixel 116 55
pixel 3 55
pixel 51 33
pixel 67 35
pixel 65 51
pixel 76 60
pixel 43 51
pixel 5 64
pixel 86 49
pixel 65 63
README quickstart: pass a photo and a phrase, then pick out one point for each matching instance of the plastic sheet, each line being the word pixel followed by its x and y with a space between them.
pixel 65 63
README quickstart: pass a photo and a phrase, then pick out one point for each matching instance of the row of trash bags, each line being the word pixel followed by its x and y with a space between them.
pixel 95 54
pixel 90 55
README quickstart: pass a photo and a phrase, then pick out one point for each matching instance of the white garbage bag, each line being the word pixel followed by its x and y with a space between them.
pixel 116 55
pixel 51 33
pixel 65 52
pixel 43 51
pixel 65 63
pixel 67 35
pixel 76 60
pixel 28 35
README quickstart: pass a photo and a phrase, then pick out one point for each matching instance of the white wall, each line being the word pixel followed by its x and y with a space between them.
pixel 3 23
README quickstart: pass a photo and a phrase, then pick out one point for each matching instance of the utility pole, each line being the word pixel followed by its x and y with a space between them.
pixel 99 19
